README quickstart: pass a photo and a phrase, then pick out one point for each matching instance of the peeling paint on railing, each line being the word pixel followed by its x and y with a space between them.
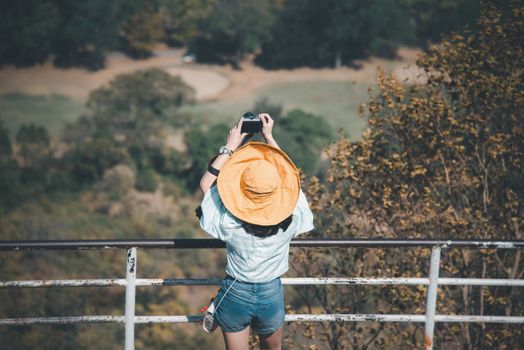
pixel 63 283
pixel 288 318
pixel 130 282
pixel 286 281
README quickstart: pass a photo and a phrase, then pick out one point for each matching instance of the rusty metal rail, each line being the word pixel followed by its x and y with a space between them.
pixel 131 282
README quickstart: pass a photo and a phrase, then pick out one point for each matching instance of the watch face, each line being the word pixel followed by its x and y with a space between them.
pixel 224 150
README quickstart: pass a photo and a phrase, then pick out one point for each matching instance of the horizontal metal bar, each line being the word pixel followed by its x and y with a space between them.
pixel 63 283
pixel 288 318
pixel 191 243
pixel 353 280
pixel 295 318
pixel 285 281
pixel 289 281
pixel 479 319
pixel 60 320
pixel 480 282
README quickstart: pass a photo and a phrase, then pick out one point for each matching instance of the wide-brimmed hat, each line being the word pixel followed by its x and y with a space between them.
pixel 259 184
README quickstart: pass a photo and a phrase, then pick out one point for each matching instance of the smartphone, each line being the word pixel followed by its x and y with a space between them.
pixel 251 123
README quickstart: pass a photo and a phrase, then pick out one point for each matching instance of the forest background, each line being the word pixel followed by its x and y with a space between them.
pixel 436 153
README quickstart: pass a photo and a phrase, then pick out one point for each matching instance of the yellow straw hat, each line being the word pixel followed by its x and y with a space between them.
pixel 259 184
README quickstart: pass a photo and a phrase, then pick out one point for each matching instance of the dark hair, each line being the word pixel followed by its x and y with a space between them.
pixel 266 231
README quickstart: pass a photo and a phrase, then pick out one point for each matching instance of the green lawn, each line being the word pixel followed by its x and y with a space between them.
pixel 49 111
pixel 338 102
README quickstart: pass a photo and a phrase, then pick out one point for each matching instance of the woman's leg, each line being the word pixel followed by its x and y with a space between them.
pixel 271 341
pixel 237 340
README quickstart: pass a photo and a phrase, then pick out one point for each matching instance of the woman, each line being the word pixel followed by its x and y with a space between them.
pixel 256 207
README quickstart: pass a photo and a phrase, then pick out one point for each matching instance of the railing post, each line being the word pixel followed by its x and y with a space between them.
pixel 431 297
pixel 131 263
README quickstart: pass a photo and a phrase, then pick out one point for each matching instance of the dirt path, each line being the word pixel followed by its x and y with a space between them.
pixel 209 81
pixel 252 77
pixel 76 83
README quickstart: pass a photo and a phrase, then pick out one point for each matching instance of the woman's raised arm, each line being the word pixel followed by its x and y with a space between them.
pixel 234 139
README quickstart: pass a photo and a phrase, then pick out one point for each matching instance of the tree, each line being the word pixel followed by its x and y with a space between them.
pixel 264 105
pixel 87 30
pixel 183 19
pixel 27 31
pixel 34 144
pixel 201 146
pixel 303 136
pixel 234 28
pixel 334 32
pixel 126 120
pixel 431 19
pixel 441 159
pixel 10 186
pixel 133 109
pixel 5 143
pixel 142 31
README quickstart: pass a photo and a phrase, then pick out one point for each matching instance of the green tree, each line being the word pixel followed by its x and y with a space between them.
pixel 234 28
pixel 184 18
pixel 433 18
pixel 87 30
pixel 27 31
pixel 10 186
pixel 201 146
pixel 303 136
pixel 88 159
pixel 146 181
pixel 5 142
pixel 12 190
pixel 34 144
pixel 334 32
pixel 142 31
pixel 133 109
pixel 264 105
pixel 19 182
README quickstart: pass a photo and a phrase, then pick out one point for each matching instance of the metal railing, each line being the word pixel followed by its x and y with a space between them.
pixel 131 282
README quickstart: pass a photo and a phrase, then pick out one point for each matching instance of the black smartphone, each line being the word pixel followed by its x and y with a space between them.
pixel 251 123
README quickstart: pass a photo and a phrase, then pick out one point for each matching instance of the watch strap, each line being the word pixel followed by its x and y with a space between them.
pixel 213 170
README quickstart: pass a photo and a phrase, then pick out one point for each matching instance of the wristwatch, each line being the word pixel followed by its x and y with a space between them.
pixel 225 150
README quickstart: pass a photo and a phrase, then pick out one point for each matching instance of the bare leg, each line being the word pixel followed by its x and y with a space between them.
pixel 272 341
pixel 237 340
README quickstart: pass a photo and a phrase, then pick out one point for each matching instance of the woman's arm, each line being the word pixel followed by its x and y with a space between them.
pixel 234 139
pixel 267 129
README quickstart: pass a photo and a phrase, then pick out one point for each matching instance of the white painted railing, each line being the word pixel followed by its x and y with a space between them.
pixel 131 282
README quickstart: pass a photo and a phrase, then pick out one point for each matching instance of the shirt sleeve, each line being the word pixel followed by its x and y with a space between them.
pixel 216 219
pixel 304 215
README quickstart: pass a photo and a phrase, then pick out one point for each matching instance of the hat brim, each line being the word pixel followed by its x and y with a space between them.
pixel 279 205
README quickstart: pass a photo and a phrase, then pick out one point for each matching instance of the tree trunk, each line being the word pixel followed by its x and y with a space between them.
pixel 338 59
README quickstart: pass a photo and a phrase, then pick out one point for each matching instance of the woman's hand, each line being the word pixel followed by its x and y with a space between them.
pixel 267 125
pixel 235 138
pixel 267 129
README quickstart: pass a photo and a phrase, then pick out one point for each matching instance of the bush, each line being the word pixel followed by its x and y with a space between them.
pixel 146 181
pixel 202 145
pixel 303 136
pixel 89 160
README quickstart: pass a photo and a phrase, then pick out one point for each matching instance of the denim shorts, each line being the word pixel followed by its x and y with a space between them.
pixel 259 305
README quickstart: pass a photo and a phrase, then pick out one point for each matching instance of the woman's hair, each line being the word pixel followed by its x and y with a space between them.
pixel 266 231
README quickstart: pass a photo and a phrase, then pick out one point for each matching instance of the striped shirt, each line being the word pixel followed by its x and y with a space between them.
pixel 251 258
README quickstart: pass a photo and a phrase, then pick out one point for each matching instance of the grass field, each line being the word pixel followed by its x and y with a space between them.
pixel 49 111
pixel 336 101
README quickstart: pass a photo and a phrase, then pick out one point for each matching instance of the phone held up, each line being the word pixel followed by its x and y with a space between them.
pixel 251 123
